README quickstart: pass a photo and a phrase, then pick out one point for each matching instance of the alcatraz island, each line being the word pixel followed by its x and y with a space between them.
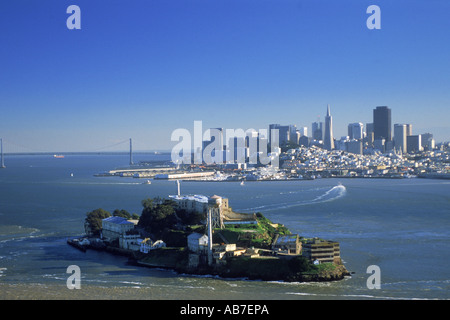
pixel 200 235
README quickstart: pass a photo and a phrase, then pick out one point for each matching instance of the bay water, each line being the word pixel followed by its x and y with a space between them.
pixel 400 225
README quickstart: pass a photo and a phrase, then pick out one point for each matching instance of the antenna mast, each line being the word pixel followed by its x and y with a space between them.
pixel 2 165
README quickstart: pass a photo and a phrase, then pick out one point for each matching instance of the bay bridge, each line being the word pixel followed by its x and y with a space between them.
pixel 9 147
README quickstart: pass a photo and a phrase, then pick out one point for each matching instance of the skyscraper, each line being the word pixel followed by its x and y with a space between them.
pixel 274 126
pixel 400 134
pixel 409 129
pixel 317 130
pixel 355 130
pixel 414 143
pixel 292 133
pixel 303 131
pixel 328 139
pixel 285 133
pixel 382 126
pixel 428 142
pixel 369 134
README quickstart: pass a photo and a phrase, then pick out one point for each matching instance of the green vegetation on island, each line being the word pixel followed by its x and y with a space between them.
pixel 259 235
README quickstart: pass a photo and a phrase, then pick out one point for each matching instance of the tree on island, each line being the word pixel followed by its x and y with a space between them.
pixel 125 214
pixel 157 216
pixel 93 221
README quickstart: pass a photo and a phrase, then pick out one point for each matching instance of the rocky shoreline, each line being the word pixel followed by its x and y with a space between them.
pixel 338 272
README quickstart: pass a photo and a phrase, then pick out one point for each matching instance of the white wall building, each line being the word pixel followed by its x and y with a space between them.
pixel 114 227
pixel 400 137
pixel 199 203
pixel 198 242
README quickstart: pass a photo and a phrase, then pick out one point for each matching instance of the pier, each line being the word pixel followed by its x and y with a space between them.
pixel 138 172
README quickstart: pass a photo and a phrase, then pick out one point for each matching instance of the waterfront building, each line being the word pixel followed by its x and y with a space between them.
pixel 145 245
pixel 221 252
pixel 289 244
pixel 114 227
pixel 184 175
pixel 130 241
pixel 328 139
pixel 133 242
pixel 382 123
pixel 322 251
pixel 198 245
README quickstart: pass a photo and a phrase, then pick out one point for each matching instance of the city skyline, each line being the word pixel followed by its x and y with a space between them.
pixel 287 133
pixel 142 70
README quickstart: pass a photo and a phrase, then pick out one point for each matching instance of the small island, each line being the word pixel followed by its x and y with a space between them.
pixel 200 235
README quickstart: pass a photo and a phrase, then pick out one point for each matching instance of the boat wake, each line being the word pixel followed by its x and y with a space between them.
pixel 332 194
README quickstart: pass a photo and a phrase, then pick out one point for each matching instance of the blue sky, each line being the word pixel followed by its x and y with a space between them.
pixel 141 69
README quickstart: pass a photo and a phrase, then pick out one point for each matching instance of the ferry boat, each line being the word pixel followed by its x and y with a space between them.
pixel 58 156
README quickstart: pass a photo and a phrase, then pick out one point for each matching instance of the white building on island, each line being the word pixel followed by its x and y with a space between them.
pixel 199 203
pixel 197 242
pixel 114 227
